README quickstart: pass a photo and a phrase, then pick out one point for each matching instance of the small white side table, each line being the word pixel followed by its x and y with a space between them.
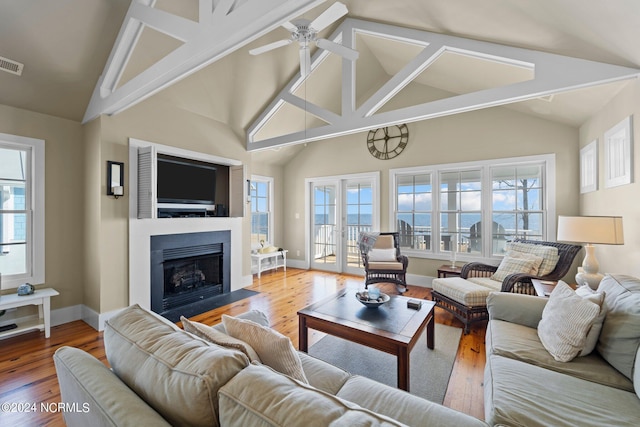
pixel 41 298
pixel 279 259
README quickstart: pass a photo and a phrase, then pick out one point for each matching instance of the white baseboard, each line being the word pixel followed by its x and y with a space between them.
pixel 297 263
pixel 64 315
pixel 419 280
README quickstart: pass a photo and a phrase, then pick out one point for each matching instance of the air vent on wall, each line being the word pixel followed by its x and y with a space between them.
pixel 11 66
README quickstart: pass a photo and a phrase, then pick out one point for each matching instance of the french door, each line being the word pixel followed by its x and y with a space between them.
pixel 340 208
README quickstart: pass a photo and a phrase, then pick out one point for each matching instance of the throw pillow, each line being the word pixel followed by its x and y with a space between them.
pixel 382 255
pixel 594 333
pixel 520 263
pixel 549 255
pixel 566 319
pixel 219 338
pixel 273 348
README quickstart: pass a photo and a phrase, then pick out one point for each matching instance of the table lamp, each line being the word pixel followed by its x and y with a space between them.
pixel 602 230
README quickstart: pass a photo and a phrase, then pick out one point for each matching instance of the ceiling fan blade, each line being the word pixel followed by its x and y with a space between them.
pixel 343 51
pixel 305 61
pixel 270 46
pixel 290 27
pixel 329 16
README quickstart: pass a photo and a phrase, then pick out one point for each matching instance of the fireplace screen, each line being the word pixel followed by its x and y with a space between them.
pixel 191 279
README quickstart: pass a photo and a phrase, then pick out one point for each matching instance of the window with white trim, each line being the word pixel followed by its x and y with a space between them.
pixel 261 193
pixel 473 208
pixel 21 210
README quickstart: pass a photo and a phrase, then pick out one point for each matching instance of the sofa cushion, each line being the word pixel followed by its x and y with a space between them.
pixel 549 254
pixel 402 406
pixel 323 375
pixel 101 398
pixel 566 320
pixel 620 335
pixel 594 332
pixel 175 372
pixel 273 348
pixel 519 342
pixel 214 336
pixel 520 394
pixel 260 396
pixel 517 262
pixel 256 316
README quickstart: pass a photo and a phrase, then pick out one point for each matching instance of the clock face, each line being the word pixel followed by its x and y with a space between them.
pixel 388 142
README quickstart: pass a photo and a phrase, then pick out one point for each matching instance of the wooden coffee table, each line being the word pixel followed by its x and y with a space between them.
pixel 393 328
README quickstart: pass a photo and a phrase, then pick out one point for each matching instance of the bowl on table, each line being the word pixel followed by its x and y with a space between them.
pixel 368 301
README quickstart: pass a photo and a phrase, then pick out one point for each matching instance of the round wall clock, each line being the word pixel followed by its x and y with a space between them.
pixel 388 142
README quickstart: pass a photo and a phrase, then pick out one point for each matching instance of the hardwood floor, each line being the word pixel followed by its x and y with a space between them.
pixel 27 373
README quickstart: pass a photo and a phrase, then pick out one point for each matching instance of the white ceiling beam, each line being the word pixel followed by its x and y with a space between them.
pixel 223 8
pixel 212 40
pixel 175 26
pixel 311 108
pixel 552 74
pixel 396 83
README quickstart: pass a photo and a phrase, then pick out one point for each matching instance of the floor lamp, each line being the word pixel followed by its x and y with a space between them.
pixel 602 230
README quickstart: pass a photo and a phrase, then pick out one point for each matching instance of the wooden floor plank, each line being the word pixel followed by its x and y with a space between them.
pixel 27 373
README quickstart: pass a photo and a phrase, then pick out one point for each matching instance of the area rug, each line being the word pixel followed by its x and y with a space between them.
pixel 209 304
pixel 429 369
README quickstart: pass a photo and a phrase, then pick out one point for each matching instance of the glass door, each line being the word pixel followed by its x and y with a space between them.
pixel 341 208
pixel 358 217
pixel 324 226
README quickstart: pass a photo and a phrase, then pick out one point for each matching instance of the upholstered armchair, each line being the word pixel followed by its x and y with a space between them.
pixel 521 282
pixel 466 296
pixel 385 263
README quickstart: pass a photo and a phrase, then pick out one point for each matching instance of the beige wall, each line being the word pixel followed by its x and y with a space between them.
pixel 622 200
pixel 480 135
pixel 158 122
pixel 87 231
pixel 64 181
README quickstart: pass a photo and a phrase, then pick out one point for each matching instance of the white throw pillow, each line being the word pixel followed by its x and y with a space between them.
pixel 382 255
pixel 594 333
pixel 517 263
pixel 219 338
pixel 566 320
pixel 273 348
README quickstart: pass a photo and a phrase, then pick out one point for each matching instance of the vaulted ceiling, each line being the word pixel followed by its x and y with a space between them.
pixel 64 45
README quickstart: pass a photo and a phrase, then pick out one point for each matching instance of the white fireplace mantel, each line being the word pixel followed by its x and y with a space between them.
pixel 140 232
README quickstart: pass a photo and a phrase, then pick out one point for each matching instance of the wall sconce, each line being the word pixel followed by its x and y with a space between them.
pixel 115 179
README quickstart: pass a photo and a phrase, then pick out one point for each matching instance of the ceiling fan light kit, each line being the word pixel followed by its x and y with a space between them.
pixel 305 31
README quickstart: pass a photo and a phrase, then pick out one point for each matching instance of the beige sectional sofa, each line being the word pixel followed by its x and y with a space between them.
pixel 163 375
pixel 526 386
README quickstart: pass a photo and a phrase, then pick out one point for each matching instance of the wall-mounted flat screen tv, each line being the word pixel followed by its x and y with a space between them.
pixel 185 181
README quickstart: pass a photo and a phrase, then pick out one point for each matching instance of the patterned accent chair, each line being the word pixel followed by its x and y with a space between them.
pixel 384 263
pixel 465 296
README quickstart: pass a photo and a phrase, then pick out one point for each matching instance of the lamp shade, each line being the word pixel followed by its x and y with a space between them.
pixel 604 230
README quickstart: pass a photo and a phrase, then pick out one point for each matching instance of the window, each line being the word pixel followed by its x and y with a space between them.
pixel 21 210
pixel 414 210
pixel 473 208
pixel 517 203
pixel 261 189
pixel 461 211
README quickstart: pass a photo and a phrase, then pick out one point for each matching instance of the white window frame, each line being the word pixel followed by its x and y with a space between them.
pixel 549 196
pixel 270 186
pixel 35 197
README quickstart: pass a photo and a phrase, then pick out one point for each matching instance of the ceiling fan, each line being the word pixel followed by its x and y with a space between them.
pixel 304 32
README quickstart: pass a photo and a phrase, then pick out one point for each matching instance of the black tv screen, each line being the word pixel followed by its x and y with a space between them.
pixel 185 181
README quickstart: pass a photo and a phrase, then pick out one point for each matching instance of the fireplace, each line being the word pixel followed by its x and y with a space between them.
pixel 188 271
